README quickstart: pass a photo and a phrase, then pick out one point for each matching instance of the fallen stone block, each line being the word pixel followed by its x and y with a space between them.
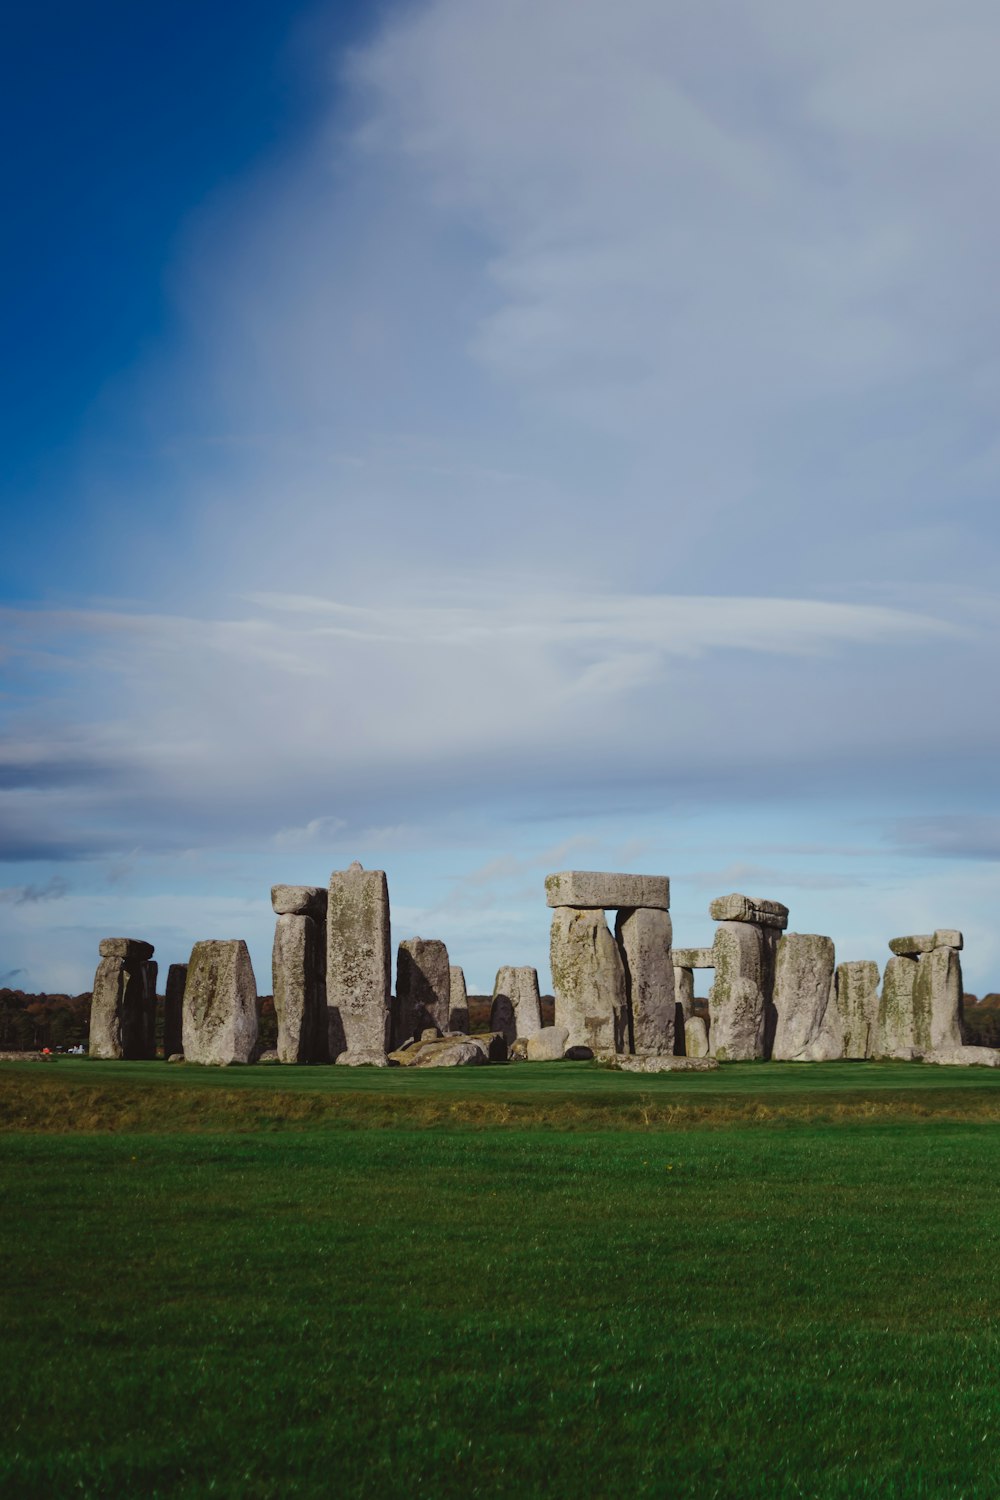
pixel 590 889
pixel 589 980
pixel 220 1004
pixel 299 901
pixel 546 1045
pixel 965 1057
pixel 360 1059
pixel 657 1063
pixel 736 908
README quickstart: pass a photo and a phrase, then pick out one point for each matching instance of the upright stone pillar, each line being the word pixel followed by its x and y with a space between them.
pixel 220 1004
pixel 119 1009
pixel 895 1032
pixel 423 988
pixel 802 990
pixel 683 1006
pixel 741 1001
pixel 644 936
pixel 517 1007
pixel 458 1000
pixel 588 979
pixel 857 1002
pixel 358 964
pixel 294 965
pixel 173 1010
pixel 937 997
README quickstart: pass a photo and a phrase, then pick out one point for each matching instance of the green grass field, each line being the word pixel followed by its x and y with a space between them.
pixel 398 1293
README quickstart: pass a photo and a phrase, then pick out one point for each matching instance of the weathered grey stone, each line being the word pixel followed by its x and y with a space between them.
pixel 736 908
pixel 856 999
pixel 546 1045
pixel 937 1001
pixel 683 988
pixel 173 1009
pixel 458 1000
pixel 736 999
pixel 517 1007
pixel 299 901
pixel 423 987
pixel 644 936
pixel 132 949
pixel 122 1015
pixel 358 961
pixel 694 958
pixel 445 1052
pixel 358 1059
pixel 895 1031
pixel 150 971
pixel 695 1037
pixel 295 960
pixel 948 937
pixel 803 977
pixel 965 1057
pixel 589 981
pixel 269 1057
pixel 912 945
pixel 589 889
pixel 176 1057
pixel 220 1004
pixel 657 1063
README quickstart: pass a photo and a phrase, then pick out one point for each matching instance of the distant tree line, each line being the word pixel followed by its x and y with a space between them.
pixel 982 1020
pixel 28 1023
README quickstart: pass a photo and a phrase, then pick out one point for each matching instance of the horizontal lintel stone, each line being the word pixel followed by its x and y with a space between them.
pixel 736 908
pixel 595 889
pixel 299 901
pixel 948 937
pixel 133 948
pixel 912 945
pixel 694 958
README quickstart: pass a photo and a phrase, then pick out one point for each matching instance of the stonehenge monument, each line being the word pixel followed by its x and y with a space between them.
pixel 625 992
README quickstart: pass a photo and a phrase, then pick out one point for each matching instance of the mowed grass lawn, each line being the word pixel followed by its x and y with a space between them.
pixel 781 1308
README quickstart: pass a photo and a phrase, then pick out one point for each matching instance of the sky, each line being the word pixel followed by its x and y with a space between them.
pixel 482 440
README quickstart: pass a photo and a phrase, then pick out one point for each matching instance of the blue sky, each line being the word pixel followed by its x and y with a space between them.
pixel 483 439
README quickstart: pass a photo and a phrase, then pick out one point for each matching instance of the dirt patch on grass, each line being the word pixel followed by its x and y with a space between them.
pixel 42 1103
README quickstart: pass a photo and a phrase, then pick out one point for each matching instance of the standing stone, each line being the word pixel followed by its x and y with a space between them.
pixel 358 962
pixel 683 1005
pixel 173 1009
pixel 895 1033
pixel 517 1007
pixel 458 1000
pixel 937 1001
pixel 151 974
pixel 119 1009
pixel 804 972
pixel 857 1001
pixel 588 981
pixel 644 936
pixel 220 1004
pixel 295 960
pixel 736 999
pixel 696 1037
pixel 423 988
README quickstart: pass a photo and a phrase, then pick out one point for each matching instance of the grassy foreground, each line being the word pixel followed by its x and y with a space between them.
pixel 807 1310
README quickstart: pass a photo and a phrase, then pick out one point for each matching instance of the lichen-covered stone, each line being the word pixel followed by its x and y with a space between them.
pixel 644 936
pixel 546 1045
pixel 445 1052
pixel 736 908
pixel 517 1007
pixel 423 987
pixel 458 1000
pixel 857 1001
pixel 694 958
pixel 590 889
pixel 173 1009
pixel 803 976
pixel 937 1001
pixel 965 1057
pixel 132 949
pixel 948 937
pixel 358 961
pixel 695 1037
pixel 657 1063
pixel 220 1004
pixel 295 960
pixel 588 979
pixel 299 901
pixel 912 945
pixel 358 1059
pixel 895 1030
pixel 736 999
